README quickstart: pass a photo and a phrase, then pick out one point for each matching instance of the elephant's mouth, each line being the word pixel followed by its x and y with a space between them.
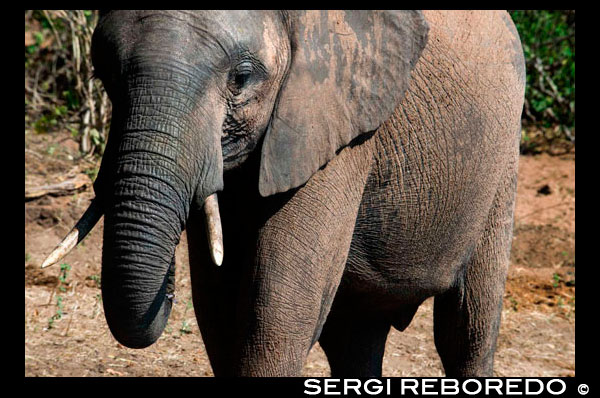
pixel 238 140
pixel 95 211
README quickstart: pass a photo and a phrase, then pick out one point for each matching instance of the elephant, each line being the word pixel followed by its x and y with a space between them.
pixel 332 171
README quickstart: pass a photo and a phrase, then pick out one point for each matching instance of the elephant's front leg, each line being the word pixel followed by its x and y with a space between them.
pixel 302 250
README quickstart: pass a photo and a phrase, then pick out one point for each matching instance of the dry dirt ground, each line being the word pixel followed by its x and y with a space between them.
pixel 66 333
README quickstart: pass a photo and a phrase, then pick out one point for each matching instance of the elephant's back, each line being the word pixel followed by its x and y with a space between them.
pixel 440 157
pixel 483 46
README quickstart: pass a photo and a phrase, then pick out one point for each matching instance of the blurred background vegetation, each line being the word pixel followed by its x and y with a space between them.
pixel 61 95
pixel 548 39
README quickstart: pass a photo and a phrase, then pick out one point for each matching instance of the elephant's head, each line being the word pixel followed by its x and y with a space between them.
pixel 194 93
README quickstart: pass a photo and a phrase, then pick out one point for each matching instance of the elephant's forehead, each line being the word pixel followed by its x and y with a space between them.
pixel 230 28
pixel 259 32
pixel 223 32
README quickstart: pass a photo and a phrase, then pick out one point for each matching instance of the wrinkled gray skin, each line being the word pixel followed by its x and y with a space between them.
pixel 364 161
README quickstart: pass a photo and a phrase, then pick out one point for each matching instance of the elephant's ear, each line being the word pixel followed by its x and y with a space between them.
pixel 348 72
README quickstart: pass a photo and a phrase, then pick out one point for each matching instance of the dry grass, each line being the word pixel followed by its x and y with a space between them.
pixel 60 92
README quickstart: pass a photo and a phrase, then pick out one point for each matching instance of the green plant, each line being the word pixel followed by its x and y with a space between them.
pixel 62 282
pixel 92 172
pixel 548 40
pixel 556 280
pixel 59 312
pixel 96 279
pixel 51 149
pixel 60 91
pixel 185 325
pixel 62 278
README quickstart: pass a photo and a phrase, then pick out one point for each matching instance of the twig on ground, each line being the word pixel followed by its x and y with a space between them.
pixel 79 182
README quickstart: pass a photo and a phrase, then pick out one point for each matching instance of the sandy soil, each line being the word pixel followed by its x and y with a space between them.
pixel 66 333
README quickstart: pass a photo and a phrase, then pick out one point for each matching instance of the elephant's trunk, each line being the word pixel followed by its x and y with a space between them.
pixel 167 161
pixel 142 227
pixel 163 159
pixel 147 324
pixel 145 216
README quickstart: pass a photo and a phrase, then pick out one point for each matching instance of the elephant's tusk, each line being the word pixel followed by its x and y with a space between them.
pixel 214 231
pixel 79 231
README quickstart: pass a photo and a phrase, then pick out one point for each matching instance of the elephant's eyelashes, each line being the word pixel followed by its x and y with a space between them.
pixel 242 74
pixel 247 71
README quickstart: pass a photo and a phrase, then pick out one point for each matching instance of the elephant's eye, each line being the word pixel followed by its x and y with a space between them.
pixel 241 79
pixel 242 74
